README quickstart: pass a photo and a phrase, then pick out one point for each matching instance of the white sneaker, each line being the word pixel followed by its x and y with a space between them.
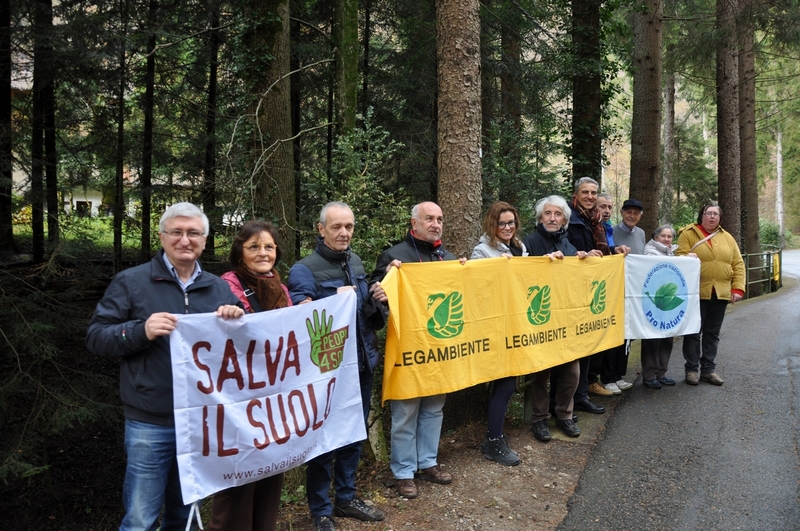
pixel 613 388
pixel 623 385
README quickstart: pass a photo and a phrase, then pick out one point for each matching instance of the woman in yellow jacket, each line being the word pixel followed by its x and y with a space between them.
pixel 721 280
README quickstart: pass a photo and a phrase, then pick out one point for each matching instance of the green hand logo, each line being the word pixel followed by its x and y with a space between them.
pixel 665 298
pixel 539 309
pixel 448 315
pixel 327 345
pixel 599 298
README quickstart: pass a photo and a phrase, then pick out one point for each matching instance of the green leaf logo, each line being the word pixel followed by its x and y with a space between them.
pixel 599 298
pixel 448 315
pixel 665 298
pixel 539 309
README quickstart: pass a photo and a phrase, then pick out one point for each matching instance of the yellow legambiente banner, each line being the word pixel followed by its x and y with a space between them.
pixel 452 326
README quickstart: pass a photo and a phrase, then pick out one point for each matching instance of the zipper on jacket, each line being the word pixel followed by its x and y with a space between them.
pixel 185 302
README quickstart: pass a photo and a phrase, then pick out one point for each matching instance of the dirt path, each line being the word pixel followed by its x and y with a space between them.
pixel 484 495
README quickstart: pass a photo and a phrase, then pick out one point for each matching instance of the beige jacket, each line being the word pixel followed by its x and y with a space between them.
pixel 721 264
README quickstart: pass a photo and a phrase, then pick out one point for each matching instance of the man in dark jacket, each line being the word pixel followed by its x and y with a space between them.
pixel 417 422
pixel 133 321
pixel 587 233
pixel 333 268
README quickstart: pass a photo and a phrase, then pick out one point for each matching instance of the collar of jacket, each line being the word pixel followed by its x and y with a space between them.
pixel 422 245
pixel 330 254
pixel 557 235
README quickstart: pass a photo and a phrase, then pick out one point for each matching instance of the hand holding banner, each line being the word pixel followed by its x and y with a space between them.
pixel 259 395
pixel 453 326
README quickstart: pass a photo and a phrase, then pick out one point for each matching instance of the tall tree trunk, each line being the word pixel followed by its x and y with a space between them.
pixel 210 161
pixel 747 140
pixel 49 108
pixel 365 45
pixel 273 166
pixel 459 142
pixel 459 130
pixel 296 101
pixel 119 174
pixel 511 91
pixel 779 187
pixel 668 172
pixel 6 174
pixel 645 179
pixel 728 147
pixel 146 179
pixel 345 40
pixel 587 141
pixel 41 80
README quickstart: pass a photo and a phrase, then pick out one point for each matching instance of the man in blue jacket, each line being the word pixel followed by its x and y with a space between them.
pixel 133 321
pixel 333 268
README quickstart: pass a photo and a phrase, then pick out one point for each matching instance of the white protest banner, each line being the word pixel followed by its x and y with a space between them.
pixel 259 395
pixel 662 296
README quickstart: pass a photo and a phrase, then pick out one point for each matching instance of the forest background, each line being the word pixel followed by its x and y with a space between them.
pixel 270 108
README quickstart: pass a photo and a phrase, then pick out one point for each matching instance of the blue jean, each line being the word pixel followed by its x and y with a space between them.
pixel 152 480
pixel 345 464
pixel 416 426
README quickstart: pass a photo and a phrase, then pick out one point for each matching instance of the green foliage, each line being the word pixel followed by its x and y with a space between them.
pixel 770 236
pixel 45 389
pixel 519 180
pixel 363 173
pixel 695 181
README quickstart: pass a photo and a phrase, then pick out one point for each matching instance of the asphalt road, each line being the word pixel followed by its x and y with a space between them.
pixel 791 263
pixel 706 457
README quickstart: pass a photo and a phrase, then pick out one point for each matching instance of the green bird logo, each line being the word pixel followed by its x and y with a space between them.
pixel 666 298
pixel 448 315
pixel 539 308
pixel 599 298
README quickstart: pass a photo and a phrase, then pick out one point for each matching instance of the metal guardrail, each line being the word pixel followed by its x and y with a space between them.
pixel 764 271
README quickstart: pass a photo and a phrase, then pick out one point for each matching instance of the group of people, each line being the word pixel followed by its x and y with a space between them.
pixel 136 315
pixel 583 228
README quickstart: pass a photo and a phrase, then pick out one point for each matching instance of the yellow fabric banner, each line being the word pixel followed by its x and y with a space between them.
pixel 453 326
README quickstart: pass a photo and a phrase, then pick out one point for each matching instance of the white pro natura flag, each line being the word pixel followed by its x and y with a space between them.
pixel 259 395
pixel 662 296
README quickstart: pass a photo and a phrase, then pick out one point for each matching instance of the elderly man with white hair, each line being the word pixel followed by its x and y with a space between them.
pixel 550 239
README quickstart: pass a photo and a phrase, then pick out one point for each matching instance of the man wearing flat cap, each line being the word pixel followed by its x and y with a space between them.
pixel 615 360
pixel 627 232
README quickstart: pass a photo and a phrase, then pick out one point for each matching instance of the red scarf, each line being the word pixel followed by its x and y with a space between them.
pixel 594 219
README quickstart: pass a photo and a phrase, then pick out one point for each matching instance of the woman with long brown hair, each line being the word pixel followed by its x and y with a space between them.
pixel 255 281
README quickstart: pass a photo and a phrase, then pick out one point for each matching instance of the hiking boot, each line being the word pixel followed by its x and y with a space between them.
pixel 498 450
pixel 596 389
pixel 541 431
pixel 356 508
pixel 323 523
pixel 712 378
pixel 485 444
pixel 568 427
pixel 435 474
pixel 407 488
pixel 692 378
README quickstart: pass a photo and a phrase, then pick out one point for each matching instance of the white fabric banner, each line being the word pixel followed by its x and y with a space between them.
pixel 662 296
pixel 259 395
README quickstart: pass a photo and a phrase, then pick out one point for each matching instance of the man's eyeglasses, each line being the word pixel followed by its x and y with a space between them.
pixel 711 214
pixel 179 234
pixel 510 224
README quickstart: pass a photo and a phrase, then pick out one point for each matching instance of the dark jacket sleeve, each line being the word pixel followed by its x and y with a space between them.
pixel 112 332
pixel 301 284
